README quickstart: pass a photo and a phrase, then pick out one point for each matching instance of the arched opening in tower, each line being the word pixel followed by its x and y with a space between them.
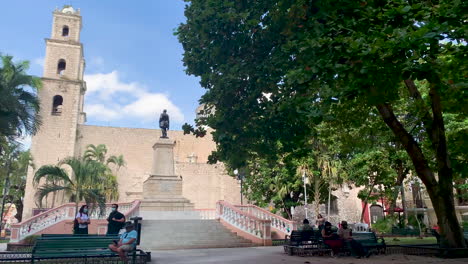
pixel 57 105
pixel 65 31
pixel 61 66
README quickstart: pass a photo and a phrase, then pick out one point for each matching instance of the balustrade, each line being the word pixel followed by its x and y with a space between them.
pixel 206 214
pixel 277 222
pixel 252 225
pixel 53 216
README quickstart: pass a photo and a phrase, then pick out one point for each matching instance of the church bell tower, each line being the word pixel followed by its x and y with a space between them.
pixel 61 97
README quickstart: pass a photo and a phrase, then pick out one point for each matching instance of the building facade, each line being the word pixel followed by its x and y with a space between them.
pixel 64 132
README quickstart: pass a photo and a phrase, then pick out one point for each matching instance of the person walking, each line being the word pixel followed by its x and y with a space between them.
pixel 115 221
pixel 127 242
pixel 82 221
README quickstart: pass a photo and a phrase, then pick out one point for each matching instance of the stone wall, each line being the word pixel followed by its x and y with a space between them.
pixel 203 184
pixel 348 204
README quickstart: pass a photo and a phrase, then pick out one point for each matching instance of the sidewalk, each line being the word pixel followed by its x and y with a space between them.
pixel 275 255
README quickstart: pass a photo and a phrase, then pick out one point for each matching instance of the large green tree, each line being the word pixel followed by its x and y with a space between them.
pixel 275 68
pixel 19 105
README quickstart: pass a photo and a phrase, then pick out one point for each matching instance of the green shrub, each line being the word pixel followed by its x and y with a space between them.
pixel 413 221
pixel 383 226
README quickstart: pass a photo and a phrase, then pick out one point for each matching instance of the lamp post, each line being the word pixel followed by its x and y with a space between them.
pixel 306 181
pixel 240 176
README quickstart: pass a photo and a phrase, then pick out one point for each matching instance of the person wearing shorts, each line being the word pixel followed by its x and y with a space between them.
pixel 127 241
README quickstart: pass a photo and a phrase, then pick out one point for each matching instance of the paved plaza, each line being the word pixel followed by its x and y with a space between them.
pixel 275 255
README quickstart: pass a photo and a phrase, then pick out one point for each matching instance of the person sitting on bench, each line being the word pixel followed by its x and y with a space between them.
pixel 347 235
pixel 331 239
pixel 305 225
pixel 126 243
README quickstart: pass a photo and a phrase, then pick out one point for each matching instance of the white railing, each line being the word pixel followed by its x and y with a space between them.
pixel 206 214
pixel 254 227
pixel 277 222
pixel 53 216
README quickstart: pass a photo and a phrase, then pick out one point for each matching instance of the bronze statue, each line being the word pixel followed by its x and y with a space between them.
pixel 164 123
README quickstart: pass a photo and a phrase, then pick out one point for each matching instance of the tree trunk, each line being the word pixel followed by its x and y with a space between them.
pixel 317 183
pixel 401 175
pixel 365 201
pixel 19 210
pixel 441 193
pixel 403 204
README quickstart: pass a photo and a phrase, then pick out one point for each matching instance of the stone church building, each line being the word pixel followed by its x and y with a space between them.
pixel 64 132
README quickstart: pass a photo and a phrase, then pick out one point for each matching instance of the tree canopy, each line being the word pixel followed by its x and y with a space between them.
pixel 274 70
pixel 19 105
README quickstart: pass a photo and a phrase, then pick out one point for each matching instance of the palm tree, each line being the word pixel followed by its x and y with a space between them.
pixel 97 153
pixel 81 185
pixel 117 161
pixel 109 185
pixel 18 107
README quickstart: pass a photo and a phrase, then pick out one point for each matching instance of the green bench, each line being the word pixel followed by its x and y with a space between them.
pixel 75 246
pixel 371 241
pixel 305 242
pixel 66 246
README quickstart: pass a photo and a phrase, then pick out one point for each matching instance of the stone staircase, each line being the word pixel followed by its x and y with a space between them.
pixel 189 233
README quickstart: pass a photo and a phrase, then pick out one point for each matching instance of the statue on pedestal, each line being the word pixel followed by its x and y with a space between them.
pixel 164 123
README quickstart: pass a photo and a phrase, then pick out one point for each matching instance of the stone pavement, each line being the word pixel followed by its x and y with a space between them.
pixel 275 255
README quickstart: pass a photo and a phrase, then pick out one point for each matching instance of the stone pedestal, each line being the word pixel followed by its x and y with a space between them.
pixel 162 191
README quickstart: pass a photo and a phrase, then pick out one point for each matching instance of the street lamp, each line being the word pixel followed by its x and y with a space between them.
pixel 240 176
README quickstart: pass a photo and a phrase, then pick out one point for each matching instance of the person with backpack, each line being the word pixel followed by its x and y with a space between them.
pixel 116 221
pixel 82 221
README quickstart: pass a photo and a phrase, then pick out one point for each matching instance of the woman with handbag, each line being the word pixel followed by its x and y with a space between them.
pixel 82 221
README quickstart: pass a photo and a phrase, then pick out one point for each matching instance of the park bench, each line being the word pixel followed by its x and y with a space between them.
pixel 77 246
pixel 305 242
pixel 371 241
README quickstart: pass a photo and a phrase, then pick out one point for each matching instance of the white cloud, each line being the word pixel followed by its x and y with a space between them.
pixel 151 104
pixel 108 99
pixel 39 61
pixel 104 85
pixel 100 112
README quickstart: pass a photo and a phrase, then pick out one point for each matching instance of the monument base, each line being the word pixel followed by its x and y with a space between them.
pixel 164 193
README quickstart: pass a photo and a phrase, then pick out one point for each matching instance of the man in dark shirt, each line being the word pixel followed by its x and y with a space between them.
pixel 116 220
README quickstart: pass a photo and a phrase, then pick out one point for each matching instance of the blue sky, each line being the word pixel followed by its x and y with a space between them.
pixel 133 60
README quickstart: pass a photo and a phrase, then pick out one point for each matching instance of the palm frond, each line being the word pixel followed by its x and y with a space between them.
pixel 51 173
pixel 48 188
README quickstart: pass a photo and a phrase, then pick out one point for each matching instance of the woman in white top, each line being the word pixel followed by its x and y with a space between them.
pixel 83 221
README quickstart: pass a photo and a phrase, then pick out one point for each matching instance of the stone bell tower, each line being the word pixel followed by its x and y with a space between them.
pixel 61 97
